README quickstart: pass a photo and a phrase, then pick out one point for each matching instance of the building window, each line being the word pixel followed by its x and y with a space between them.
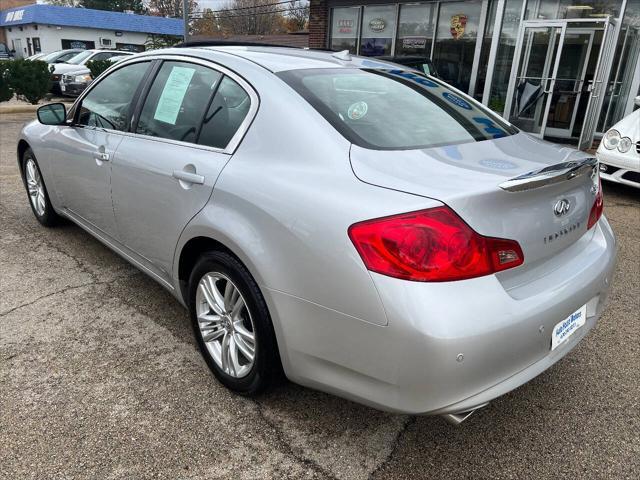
pixel 552 9
pixel 129 47
pixel 84 44
pixel 36 45
pixel 415 29
pixel 456 42
pixel 378 30
pixel 345 24
pixel 504 55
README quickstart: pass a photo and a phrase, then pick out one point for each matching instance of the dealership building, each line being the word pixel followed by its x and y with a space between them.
pixel 40 28
pixel 565 70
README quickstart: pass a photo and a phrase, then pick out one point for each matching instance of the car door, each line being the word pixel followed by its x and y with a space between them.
pixel 85 150
pixel 190 118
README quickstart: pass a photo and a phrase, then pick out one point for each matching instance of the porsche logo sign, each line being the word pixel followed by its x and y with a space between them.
pixel 458 25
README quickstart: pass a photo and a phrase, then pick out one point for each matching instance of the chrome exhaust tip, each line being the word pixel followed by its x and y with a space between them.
pixel 459 417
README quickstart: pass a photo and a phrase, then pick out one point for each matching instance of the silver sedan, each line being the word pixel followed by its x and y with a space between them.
pixel 361 228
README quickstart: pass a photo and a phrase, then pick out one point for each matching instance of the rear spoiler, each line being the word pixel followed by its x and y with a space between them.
pixel 550 175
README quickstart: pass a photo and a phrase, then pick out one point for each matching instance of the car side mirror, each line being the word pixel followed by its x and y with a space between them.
pixel 637 101
pixel 52 114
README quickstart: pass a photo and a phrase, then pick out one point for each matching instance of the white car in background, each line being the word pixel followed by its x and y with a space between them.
pixel 619 151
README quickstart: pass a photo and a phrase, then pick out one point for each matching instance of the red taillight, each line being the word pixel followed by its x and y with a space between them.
pixel 433 245
pixel 598 207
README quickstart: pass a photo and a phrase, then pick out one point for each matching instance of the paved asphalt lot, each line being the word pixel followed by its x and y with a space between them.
pixel 100 378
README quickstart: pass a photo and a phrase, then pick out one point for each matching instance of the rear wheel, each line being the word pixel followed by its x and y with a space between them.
pixel 232 324
pixel 37 191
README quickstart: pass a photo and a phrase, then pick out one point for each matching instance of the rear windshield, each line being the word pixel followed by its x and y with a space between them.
pixel 394 109
pixel 78 58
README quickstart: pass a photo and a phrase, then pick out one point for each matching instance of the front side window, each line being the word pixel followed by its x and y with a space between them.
pixel 79 58
pixel 394 109
pixel 177 100
pixel 107 105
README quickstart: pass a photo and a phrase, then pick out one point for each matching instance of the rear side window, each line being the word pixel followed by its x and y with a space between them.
pixel 107 104
pixel 225 114
pixel 177 101
pixel 394 109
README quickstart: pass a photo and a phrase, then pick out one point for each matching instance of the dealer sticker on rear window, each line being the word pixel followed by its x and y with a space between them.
pixel 563 330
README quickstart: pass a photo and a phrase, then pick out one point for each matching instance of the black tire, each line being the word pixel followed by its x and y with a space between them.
pixel 266 369
pixel 48 218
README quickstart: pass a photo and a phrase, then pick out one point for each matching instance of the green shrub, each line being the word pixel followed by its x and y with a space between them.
pixel 31 80
pixel 96 67
pixel 6 92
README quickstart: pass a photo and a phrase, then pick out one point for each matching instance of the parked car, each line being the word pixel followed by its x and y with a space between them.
pixel 5 52
pixel 73 83
pixel 363 228
pixel 61 56
pixel 37 56
pixel 619 151
pixel 78 61
pixel 422 64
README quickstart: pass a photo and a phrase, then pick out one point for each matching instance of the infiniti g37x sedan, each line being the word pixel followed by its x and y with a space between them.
pixel 361 227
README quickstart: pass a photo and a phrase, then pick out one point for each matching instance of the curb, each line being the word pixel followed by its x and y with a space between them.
pixel 25 108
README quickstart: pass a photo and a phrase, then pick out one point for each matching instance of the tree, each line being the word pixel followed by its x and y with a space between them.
pixel 206 25
pixel 136 6
pixel 251 17
pixel 298 15
pixel 170 8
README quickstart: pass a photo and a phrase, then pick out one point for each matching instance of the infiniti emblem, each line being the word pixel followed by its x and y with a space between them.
pixel 561 207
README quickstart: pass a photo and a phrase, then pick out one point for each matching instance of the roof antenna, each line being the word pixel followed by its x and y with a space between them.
pixel 344 55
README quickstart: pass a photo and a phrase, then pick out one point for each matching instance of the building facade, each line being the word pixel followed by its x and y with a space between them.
pixel 39 28
pixel 565 70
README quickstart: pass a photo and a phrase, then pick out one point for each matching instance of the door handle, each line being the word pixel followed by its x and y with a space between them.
pixel 102 156
pixel 188 177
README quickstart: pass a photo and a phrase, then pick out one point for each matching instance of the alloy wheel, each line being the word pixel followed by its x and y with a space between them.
pixel 35 187
pixel 225 324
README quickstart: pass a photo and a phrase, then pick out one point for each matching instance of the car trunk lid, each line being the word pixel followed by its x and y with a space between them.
pixel 516 187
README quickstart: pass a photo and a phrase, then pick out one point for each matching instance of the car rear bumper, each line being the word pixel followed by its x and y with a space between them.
pixel 448 347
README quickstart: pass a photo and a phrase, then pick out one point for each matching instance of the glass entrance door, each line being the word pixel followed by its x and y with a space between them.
pixel 558 78
pixel 572 83
pixel 533 77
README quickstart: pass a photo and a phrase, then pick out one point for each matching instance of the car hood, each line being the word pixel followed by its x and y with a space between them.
pixel 60 68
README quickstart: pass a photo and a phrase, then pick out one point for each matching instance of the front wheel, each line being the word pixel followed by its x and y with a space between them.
pixel 37 191
pixel 232 324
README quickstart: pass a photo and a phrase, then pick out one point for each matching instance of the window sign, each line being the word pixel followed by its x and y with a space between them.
pixel 415 30
pixel 344 29
pixel 83 44
pixel 456 42
pixel 378 30
pixel 173 94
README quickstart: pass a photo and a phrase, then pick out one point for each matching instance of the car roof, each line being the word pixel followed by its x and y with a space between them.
pixel 277 59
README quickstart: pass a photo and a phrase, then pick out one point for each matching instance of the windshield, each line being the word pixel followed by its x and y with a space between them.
pixel 394 109
pixel 79 58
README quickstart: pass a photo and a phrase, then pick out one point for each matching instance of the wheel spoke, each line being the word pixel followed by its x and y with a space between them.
pixel 217 296
pixel 237 307
pixel 224 352
pixel 229 291
pixel 211 336
pixel 244 333
pixel 233 356
pixel 41 203
pixel 246 350
pixel 209 298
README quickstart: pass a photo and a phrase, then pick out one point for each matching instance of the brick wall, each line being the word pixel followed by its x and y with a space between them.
pixel 318 23
pixel 5 5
